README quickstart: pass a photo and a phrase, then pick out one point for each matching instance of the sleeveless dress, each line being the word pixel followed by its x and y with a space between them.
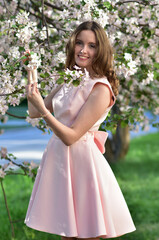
pixel 75 193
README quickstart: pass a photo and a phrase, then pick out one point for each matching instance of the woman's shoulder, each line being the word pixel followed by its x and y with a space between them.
pixel 102 79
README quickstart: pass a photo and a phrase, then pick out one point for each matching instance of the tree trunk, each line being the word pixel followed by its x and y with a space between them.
pixel 118 145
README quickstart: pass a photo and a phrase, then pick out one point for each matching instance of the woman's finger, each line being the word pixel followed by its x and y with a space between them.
pixel 37 90
pixel 34 88
pixel 34 75
pixel 28 89
pixel 29 77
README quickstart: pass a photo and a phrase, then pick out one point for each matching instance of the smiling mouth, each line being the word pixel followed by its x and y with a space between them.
pixel 83 57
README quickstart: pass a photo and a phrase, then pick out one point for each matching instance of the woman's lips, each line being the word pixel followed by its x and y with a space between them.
pixel 83 57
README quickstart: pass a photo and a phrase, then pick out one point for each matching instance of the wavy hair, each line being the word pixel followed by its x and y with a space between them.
pixel 103 62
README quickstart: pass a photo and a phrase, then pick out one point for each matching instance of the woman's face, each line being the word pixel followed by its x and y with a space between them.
pixel 85 49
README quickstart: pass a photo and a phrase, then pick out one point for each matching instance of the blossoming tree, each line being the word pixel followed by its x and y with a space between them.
pixel 44 26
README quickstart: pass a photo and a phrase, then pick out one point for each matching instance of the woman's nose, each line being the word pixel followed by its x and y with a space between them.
pixel 84 49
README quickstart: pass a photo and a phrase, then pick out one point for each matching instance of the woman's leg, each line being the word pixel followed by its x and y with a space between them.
pixel 87 238
pixel 68 238
pixel 74 238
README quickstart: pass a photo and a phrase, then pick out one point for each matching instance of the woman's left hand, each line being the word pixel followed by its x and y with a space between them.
pixel 34 96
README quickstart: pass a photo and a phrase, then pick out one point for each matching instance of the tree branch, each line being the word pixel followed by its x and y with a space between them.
pixel 7 94
pixel 53 6
pixel 18 165
pixel 145 3
pixel 8 212
pixel 129 1
pixel 49 5
pixel 45 23
pixel 10 13
pixel 12 115
pixel 49 20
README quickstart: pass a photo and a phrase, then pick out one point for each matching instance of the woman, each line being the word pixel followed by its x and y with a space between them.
pixel 75 194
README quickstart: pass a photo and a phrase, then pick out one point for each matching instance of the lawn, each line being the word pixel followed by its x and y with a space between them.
pixel 138 177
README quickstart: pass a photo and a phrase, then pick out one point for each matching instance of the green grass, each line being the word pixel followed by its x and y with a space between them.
pixel 138 177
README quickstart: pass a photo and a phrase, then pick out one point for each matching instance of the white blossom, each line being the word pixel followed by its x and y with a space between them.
pixel 2 173
pixel 128 56
pixel 150 78
pixel 125 33
pixel 156 112
pixel 133 68
pixel 157 31
pixel 3 106
pixel 3 152
pixel 61 57
pixel 33 121
pixel 14 100
pixel 34 62
pixel 33 165
pixel 22 18
pixel 14 52
pixel 43 33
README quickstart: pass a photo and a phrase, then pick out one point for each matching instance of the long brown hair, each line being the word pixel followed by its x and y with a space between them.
pixel 103 61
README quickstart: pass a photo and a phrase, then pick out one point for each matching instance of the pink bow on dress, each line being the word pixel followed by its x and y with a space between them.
pixel 100 138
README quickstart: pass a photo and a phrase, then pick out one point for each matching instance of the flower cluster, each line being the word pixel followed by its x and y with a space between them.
pixel 75 77
pixel 29 168
pixel 132 27
pixel 33 60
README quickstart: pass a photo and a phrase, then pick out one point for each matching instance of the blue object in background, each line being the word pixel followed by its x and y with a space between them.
pixel 27 143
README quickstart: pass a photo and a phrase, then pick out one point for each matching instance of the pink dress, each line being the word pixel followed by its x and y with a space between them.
pixel 75 192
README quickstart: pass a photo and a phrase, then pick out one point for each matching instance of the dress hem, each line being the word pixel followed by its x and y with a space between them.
pixel 104 236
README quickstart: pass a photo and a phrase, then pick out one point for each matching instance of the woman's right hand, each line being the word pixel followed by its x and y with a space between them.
pixel 29 77
pixel 32 73
pixel 32 76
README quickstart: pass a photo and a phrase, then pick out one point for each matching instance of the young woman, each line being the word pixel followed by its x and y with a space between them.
pixel 75 194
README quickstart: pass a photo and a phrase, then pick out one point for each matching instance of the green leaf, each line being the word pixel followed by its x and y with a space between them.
pixel 60 80
pixel 14 26
pixel 155 124
pixel 24 57
pixel 21 49
pixel 26 62
pixel 124 124
pixel 42 75
pixel 131 119
pixel 47 74
pixel 76 83
pixel 108 5
pixel 43 84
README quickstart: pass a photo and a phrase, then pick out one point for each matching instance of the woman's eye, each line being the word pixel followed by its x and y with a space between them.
pixel 78 43
pixel 92 46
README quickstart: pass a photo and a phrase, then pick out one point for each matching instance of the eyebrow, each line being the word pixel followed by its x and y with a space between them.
pixel 77 39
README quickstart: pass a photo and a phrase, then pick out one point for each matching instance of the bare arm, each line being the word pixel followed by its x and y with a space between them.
pixel 95 106
pixel 33 112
